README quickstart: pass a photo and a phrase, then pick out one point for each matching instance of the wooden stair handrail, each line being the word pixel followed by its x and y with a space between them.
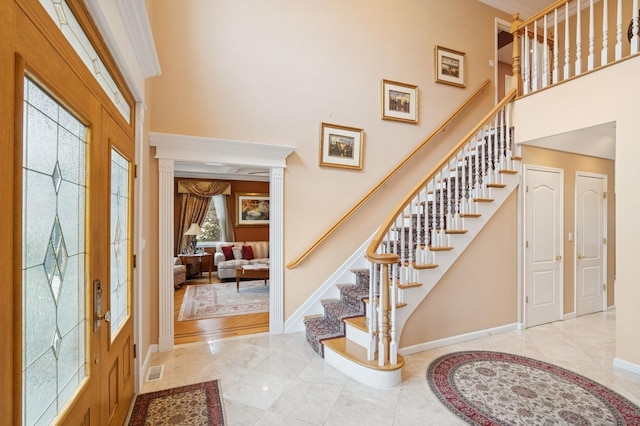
pixel 384 258
pixel 386 179
pixel 541 14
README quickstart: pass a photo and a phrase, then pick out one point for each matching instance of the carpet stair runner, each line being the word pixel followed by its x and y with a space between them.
pixel 350 305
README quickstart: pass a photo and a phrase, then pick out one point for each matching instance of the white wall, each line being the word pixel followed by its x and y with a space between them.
pixel 607 95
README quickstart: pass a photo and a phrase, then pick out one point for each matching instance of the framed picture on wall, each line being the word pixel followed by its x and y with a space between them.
pixel 451 67
pixel 399 101
pixel 252 209
pixel 341 146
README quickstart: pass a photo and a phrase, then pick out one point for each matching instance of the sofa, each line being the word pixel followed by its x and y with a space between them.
pixel 230 255
pixel 179 273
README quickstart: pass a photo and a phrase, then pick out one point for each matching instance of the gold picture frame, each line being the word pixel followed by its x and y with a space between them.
pixel 451 67
pixel 399 101
pixel 252 209
pixel 341 146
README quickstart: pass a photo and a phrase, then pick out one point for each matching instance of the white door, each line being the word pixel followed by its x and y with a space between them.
pixel 590 242
pixel 543 245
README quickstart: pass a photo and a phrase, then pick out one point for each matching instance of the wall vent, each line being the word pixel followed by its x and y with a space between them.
pixel 155 373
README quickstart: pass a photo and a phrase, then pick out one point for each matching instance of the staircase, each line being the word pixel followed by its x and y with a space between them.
pixel 357 332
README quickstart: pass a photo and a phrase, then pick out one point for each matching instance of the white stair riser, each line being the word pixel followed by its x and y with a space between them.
pixel 379 379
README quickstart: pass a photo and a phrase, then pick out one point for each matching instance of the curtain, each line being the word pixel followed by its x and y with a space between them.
pixel 221 203
pixel 195 197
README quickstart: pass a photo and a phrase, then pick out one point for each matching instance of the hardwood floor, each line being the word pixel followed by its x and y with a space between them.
pixel 206 329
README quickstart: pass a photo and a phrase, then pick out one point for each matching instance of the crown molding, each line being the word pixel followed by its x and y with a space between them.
pixel 124 26
pixel 136 21
pixel 198 149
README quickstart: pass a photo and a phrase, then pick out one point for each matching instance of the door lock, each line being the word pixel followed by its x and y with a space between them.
pixel 97 306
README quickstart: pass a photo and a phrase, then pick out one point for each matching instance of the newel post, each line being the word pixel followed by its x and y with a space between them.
pixel 516 80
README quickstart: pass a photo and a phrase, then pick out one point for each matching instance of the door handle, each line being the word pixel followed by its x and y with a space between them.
pixel 580 256
pixel 97 306
pixel 558 258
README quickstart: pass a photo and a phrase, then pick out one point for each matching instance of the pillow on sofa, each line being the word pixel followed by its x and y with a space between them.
pixel 228 252
pixel 237 253
pixel 247 252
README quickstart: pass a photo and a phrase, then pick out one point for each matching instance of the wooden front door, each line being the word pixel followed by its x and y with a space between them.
pixel 71 263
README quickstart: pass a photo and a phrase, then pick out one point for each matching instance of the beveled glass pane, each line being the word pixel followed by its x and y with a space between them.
pixel 120 170
pixel 41 138
pixel 41 382
pixel 38 217
pixel 38 316
pixel 53 305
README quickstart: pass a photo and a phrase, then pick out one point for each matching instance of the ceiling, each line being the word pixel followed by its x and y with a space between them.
pixel 526 8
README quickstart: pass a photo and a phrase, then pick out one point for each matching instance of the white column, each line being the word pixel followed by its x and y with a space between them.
pixel 165 253
pixel 276 251
pixel 635 29
pixel 619 31
pixel 592 39
pixel 578 62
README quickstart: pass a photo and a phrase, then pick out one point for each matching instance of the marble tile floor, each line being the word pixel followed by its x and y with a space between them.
pixel 279 380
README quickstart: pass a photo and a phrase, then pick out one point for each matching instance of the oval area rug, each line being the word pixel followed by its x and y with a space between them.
pixel 494 388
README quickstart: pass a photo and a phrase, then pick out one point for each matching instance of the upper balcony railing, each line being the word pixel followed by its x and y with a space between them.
pixel 570 38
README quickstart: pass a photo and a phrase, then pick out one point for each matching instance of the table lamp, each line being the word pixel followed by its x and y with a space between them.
pixel 193 231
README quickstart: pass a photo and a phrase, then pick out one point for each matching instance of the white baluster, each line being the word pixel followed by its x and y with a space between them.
pixel 526 63
pixel 577 66
pixel 458 198
pixel 371 317
pixel 555 47
pixel 393 345
pixel 545 56
pixel 464 207
pixel 592 38
pixel 604 54
pixel 483 172
pixel 635 28
pixel 384 281
pixel 434 215
pixel 449 220
pixel 535 77
pixel 403 244
pixel 566 42
pixel 619 31
pixel 441 212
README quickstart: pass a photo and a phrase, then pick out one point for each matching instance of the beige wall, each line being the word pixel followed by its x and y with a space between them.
pixel 572 163
pixel 479 290
pixel 272 72
pixel 593 99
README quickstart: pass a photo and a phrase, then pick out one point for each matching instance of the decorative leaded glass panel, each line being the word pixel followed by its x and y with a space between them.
pixel 64 18
pixel 119 237
pixel 53 252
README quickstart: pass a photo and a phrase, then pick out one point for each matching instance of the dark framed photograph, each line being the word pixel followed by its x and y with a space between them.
pixel 252 209
pixel 399 101
pixel 341 146
pixel 451 67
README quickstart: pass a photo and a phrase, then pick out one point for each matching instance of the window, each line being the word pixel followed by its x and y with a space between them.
pixel 211 225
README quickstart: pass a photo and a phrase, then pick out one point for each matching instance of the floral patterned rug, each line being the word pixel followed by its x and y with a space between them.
pixel 493 388
pixel 194 405
pixel 222 300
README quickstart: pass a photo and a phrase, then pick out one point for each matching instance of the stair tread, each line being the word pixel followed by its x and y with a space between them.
pixel 358 322
pixel 323 328
pixel 356 353
pixel 470 214
pixel 455 231
pixel 409 285
pixel 496 185
pixel 340 310
pixel 425 266
pixel 509 172
pixel 440 248
pixel 483 200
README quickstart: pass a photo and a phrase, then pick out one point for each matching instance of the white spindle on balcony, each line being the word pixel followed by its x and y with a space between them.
pixel 538 67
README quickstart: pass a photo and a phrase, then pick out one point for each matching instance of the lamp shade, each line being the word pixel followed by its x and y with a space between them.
pixel 194 229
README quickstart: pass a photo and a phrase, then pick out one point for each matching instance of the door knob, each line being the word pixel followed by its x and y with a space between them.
pixel 580 256
pixel 558 257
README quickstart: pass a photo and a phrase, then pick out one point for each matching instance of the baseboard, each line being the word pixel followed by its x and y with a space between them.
pixel 611 308
pixel 145 365
pixel 626 365
pixel 570 315
pixel 312 305
pixel 461 338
